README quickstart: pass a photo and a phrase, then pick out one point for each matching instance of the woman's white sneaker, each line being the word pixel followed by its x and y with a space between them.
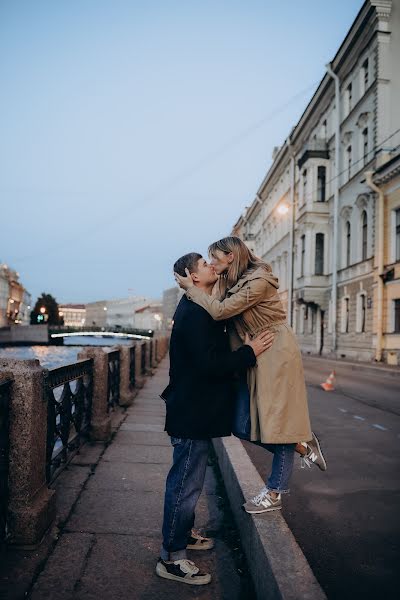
pixel 262 503
pixel 182 570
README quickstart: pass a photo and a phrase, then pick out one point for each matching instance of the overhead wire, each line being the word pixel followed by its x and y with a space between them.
pixel 173 181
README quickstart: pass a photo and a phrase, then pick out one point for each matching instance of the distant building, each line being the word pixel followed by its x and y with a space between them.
pixel 119 313
pixel 170 301
pixel 14 298
pixel 74 315
pixel 96 314
pixel 149 317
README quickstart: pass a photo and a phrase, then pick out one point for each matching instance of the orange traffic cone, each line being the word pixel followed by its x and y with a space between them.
pixel 328 384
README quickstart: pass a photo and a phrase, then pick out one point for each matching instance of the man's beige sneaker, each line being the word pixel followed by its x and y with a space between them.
pixel 262 503
pixel 182 570
pixel 199 542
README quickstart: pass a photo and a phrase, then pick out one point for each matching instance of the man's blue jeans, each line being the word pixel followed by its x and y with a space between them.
pixel 282 464
pixel 183 487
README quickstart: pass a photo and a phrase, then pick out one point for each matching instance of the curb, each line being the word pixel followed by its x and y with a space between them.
pixel 277 565
pixel 393 371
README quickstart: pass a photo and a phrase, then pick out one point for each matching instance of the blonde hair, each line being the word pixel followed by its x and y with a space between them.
pixel 243 260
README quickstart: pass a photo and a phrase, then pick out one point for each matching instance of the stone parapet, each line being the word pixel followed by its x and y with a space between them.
pixel 101 422
pixel 31 506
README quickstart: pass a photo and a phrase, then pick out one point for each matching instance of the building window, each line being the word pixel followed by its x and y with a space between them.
pixel 349 98
pixel 361 312
pixel 364 237
pixel 348 243
pixel 321 189
pixel 349 161
pixel 304 185
pixel 303 317
pixel 364 76
pixel 319 253
pixel 324 130
pixel 396 315
pixel 397 233
pixel 302 255
pixel 365 145
pixel 345 314
pixel 310 316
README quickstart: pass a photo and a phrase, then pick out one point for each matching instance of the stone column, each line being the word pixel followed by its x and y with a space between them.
pixel 101 422
pixel 138 358
pixel 149 369
pixel 127 391
pixel 31 506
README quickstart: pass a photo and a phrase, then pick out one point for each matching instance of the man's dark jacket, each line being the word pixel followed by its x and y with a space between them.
pixel 200 396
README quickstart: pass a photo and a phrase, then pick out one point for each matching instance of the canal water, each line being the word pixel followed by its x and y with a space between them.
pixel 56 356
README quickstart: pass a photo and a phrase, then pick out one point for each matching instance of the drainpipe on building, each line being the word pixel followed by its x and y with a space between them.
pixel 291 236
pixel 335 206
pixel 380 247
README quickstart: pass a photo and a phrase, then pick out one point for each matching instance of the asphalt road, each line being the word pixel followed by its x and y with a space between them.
pixel 347 519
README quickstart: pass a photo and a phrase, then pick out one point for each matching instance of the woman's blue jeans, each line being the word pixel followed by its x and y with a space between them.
pixel 183 487
pixel 282 464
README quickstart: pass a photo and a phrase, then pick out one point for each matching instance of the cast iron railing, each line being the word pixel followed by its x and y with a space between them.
pixel 132 366
pixel 69 391
pixel 5 393
pixel 143 359
pixel 113 379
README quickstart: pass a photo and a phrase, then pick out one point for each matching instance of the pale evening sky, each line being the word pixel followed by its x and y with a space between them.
pixel 134 132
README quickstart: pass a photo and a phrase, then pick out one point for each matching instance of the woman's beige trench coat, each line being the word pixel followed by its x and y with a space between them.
pixel 278 397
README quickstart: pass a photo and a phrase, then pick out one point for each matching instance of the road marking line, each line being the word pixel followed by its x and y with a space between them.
pixel 379 427
pixel 358 418
pixel 344 410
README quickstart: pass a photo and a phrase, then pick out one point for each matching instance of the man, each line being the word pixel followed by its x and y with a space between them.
pixel 199 402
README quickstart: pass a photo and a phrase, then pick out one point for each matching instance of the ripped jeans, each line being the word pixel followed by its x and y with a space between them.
pixel 282 464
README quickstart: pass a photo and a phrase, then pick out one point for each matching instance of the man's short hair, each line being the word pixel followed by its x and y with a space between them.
pixel 189 261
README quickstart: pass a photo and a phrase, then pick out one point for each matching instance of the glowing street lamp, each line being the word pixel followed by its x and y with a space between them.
pixel 42 310
pixel 283 209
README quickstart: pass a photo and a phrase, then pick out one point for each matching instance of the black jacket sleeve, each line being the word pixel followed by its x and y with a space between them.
pixel 201 341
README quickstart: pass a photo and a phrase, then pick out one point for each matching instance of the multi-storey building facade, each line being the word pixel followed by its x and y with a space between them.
pixel 14 299
pixel 314 218
pixel 74 315
pixel 120 313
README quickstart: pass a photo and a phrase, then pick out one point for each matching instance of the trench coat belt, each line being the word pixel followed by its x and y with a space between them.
pixel 272 327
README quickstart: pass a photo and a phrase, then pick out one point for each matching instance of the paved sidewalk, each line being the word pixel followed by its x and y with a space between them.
pixel 110 542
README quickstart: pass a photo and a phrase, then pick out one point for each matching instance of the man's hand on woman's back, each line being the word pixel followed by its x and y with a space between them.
pixel 261 343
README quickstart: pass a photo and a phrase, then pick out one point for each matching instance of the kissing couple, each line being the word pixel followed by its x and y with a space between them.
pixel 235 367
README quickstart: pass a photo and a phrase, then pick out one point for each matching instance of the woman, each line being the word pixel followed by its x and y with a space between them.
pixel 272 408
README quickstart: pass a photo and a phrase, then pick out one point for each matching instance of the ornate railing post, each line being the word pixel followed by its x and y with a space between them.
pixel 31 505
pixel 101 421
pixel 127 372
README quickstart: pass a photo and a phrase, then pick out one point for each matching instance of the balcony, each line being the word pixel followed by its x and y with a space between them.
pixel 316 148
